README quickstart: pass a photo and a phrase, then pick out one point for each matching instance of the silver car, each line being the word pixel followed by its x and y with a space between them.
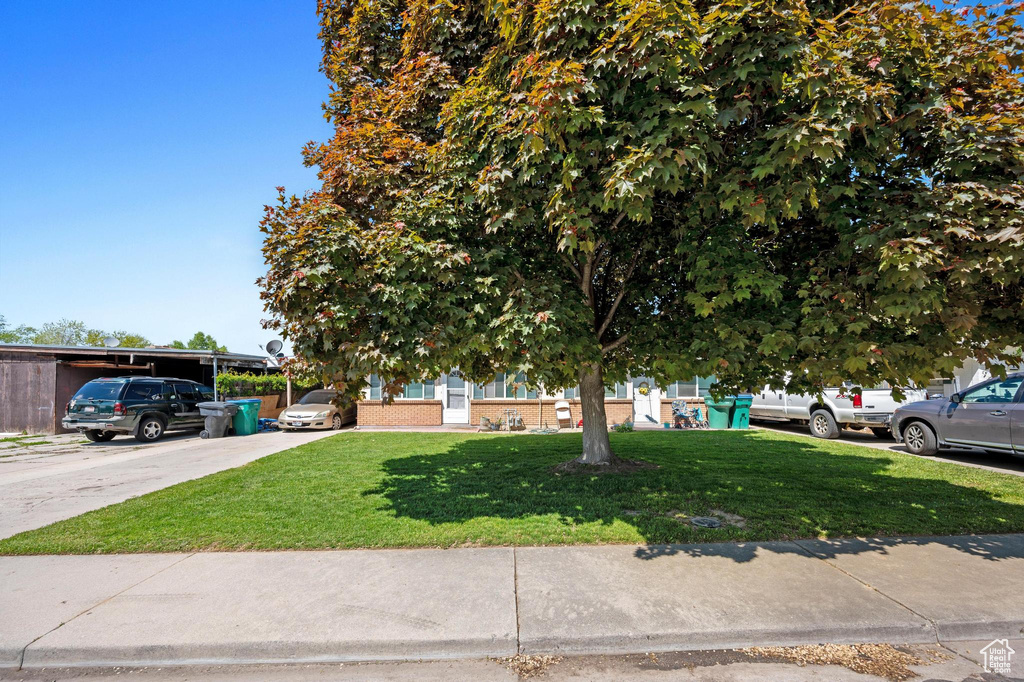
pixel 988 416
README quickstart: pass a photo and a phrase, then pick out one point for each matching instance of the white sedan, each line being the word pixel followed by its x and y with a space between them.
pixel 313 411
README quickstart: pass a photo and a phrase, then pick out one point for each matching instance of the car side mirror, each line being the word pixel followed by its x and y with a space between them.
pixel 955 398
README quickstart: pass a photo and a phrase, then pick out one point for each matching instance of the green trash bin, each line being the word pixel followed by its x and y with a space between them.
pixel 740 418
pixel 718 411
pixel 246 420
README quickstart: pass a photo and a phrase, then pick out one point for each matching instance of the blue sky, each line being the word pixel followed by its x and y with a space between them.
pixel 141 141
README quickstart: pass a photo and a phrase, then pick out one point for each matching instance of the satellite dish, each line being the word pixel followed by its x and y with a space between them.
pixel 274 347
pixel 111 342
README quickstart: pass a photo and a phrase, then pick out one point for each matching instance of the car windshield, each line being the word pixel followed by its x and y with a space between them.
pixel 100 390
pixel 321 397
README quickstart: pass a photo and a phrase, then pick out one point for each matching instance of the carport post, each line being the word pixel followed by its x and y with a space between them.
pixel 288 386
pixel 215 376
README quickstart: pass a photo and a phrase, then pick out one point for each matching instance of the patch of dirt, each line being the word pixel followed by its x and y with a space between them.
pixel 528 666
pixel 725 517
pixel 729 519
pixel 882 660
pixel 616 466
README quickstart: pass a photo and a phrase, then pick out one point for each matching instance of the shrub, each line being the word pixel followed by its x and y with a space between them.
pixel 249 384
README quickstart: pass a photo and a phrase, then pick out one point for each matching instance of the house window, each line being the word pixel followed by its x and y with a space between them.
pixel 494 389
pixel 413 391
pixel 517 389
pixel 620 391
pixel 418 391
pixel 503 387
pixel 692 388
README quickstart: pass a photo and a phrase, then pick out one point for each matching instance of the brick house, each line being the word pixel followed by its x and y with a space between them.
pixel 450 400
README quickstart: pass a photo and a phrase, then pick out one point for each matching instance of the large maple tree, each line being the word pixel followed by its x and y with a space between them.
pixel 584 190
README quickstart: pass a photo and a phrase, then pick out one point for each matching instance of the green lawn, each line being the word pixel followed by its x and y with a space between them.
pixel 444 489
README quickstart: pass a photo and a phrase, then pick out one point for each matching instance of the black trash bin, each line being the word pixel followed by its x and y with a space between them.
pixel 218 418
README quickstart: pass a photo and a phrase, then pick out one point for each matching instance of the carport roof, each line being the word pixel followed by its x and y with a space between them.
pixel 202 356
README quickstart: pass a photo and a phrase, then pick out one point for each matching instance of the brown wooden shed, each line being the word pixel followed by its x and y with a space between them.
pixel 37 381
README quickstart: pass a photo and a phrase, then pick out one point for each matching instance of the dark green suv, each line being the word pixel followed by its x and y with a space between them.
pixel 145 407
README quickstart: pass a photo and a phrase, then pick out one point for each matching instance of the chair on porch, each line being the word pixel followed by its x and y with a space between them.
pixel 563 414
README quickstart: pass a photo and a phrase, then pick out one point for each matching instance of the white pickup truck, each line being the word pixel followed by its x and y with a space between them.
pixel 835 409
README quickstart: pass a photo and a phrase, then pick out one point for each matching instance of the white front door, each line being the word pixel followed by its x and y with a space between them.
pixel 646 401
pixel 456 400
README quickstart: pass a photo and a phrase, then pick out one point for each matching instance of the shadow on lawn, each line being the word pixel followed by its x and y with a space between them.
pixel 785 489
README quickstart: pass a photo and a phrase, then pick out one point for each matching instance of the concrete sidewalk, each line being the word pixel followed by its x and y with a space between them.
pixel 269 607
pixel 41 486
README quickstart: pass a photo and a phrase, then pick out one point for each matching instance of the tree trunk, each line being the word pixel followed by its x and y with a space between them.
pixel 596 448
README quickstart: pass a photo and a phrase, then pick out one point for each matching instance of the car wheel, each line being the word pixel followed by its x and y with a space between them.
pixel 920 439
pixel 99 436
pixel 336 422
pixel 884 434
pixel 823 424
pixel 150 430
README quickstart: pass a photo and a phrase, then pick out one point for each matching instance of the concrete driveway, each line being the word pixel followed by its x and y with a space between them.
pixel 56 477
pixel 1004 464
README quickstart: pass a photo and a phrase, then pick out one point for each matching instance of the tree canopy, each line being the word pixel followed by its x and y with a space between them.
pixel 587 189
pixel 199 341
pixel 66 332
pixel 20 334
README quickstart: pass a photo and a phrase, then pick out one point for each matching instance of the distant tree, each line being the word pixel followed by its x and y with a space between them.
pixel 62 333
pixel 66 333
pixel 94 337
pixel 130 340
pixel 19 334
pixel 200 341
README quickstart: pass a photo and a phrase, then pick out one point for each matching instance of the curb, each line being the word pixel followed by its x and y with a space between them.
pixel 730 639
pixel 258 653
pixel 275 653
